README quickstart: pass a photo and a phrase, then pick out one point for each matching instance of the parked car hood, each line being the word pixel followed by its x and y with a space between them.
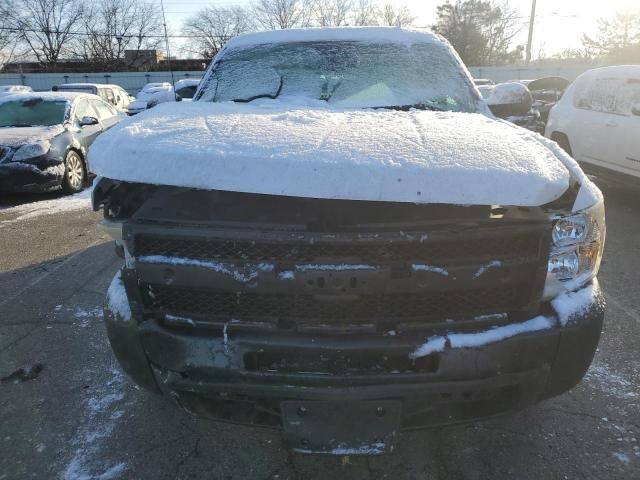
pixel 15 136
pixel 358 154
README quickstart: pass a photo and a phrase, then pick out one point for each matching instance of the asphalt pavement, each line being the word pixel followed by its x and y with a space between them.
pixel 67 411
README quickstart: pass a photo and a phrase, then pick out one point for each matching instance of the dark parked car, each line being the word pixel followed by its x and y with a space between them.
pixel 44 139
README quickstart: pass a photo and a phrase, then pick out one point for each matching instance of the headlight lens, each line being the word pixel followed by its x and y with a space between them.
pixel 30 150
pixel 576 250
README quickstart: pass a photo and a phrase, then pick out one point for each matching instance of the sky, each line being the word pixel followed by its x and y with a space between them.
pixel 559 23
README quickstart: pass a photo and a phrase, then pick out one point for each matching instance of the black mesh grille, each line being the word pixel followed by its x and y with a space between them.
pixel 504 247
pixel 301 309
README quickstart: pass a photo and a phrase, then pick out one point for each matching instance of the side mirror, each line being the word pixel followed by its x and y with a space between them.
pixel 178 98
pixel 635 110
pixel 85 121
pixel 509 99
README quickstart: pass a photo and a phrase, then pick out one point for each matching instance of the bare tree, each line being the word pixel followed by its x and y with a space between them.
pixel 46 27
pixel 366 13
pixel 397 17
pixel 282 14
pixel 115 26
pixel 8 39
pixel 215 26
pixel 618 38
pixel 331 13
pixel 481 31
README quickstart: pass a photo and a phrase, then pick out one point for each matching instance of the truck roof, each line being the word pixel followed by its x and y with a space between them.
pixel 355 34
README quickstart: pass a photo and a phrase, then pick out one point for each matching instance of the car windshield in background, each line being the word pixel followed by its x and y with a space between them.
pixel 348 74
pixel 32 112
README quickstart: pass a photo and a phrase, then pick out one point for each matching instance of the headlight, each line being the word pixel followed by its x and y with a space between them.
pixel 29 151
pixel 577 243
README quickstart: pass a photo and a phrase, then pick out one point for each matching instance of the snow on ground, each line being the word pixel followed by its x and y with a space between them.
pixel 101 414
pixel 601 377
pixel 85 316
pixel 26 211
pixel 358 154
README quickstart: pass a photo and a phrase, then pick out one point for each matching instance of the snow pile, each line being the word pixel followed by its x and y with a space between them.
pixel 117 301
pixel 274 148
pixel 566 306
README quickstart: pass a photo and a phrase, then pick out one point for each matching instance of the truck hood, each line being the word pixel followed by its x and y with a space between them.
pixel 376 155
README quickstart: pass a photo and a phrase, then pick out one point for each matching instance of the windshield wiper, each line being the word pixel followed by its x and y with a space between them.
pixel 17 125
pixel 262 95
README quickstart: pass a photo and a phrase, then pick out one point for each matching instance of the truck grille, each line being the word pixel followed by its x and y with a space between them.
pixel 477 263
pixel 504 247
pixel 283 309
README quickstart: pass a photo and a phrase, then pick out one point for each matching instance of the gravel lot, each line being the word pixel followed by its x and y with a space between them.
pixel 81 418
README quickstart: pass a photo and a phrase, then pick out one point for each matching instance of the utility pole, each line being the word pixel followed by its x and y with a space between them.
pixel 531 22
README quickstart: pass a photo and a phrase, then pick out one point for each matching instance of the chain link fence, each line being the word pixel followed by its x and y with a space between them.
pixel 132 82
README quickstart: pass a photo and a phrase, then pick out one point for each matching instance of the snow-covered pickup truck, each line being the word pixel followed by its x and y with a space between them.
pixel 338 239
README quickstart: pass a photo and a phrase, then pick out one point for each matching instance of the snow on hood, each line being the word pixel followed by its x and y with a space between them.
pixel 15 136
pixel 383 155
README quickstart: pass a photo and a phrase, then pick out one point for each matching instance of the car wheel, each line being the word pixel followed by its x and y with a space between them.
pixel 75 175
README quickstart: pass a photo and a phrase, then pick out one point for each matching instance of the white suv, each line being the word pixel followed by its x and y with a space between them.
pixel 598 119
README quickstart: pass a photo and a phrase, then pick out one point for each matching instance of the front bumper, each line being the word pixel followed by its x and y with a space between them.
pixel 27 177
pixel 245 377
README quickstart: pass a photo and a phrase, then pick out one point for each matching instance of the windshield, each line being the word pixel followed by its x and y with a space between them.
pixel 343 73
pixel 32 112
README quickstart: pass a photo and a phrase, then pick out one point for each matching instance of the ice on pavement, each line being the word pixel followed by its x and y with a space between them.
pixel 359 154
pixel 98 422
pixel 26 211
pixel 566 306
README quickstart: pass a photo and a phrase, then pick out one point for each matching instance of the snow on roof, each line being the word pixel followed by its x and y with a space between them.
pixel 357 34
pixel 375 155
pixel 46 96
pixel 81 85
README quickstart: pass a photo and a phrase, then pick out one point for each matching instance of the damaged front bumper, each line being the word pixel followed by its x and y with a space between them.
pixel 30 177
pixel 352 393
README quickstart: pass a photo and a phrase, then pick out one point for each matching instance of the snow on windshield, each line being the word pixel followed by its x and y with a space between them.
pixel 344 73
